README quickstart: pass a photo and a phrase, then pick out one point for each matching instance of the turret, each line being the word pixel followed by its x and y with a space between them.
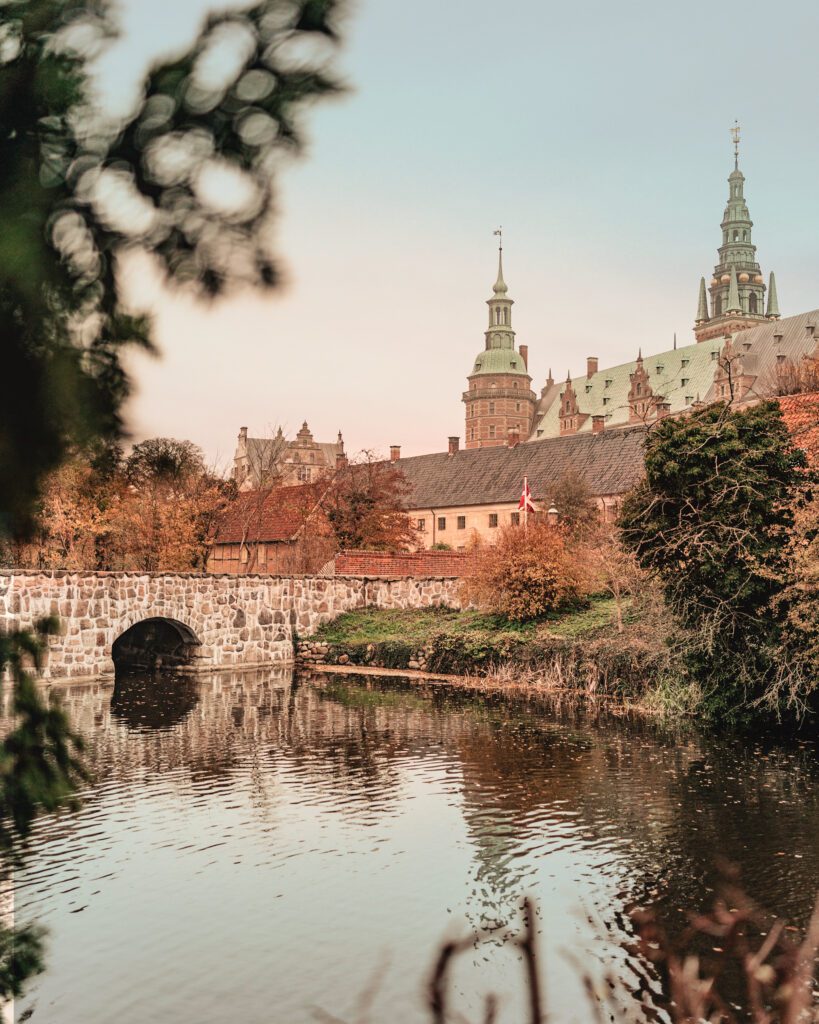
pixel 499 398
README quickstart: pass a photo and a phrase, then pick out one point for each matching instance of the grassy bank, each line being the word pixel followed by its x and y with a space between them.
pixel 581 649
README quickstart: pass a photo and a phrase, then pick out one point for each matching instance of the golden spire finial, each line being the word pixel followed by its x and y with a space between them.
pixel 735 136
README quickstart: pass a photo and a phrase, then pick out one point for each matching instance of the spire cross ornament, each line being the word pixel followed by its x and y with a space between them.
pixel 735 136
pixel 499 233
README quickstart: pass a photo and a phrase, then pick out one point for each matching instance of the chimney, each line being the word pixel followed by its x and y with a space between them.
pixel 524 354
pixel 454 445
pixel 591 366
pixel 395 452
pixel 242 439
pixel 598 424
pixel 514 437
pixel 663 409
pixel 341 460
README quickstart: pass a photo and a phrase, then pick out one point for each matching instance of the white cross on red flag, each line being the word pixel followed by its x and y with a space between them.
pixel 526 504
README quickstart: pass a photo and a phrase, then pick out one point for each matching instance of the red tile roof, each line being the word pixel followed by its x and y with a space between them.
pixel 269 516
pixel 801 414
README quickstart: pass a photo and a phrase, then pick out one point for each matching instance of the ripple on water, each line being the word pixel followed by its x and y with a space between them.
pixel 275 848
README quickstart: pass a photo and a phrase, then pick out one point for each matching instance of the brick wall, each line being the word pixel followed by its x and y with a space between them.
pixel 421 564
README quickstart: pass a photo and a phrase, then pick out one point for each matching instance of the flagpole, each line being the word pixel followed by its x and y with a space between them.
pixel 526 505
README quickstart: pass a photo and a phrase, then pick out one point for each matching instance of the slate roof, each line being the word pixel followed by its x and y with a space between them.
pixel 801 414
pixel 681 375
pixel 611 463
pixel 273 516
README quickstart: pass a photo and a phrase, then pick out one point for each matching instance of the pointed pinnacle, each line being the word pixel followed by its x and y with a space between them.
pixel 773 299
pixel 500 285
pixel 702 305
pixel 734 305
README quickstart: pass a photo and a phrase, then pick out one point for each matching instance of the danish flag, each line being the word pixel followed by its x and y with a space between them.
pixel 526 504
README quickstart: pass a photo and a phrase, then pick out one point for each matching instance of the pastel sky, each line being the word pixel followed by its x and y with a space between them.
pixel 597 133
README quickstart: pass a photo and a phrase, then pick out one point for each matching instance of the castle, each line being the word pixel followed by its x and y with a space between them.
pixel 264 462
pixel 741 350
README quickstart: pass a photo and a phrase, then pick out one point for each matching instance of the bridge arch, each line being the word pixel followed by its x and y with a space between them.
pixel 153 643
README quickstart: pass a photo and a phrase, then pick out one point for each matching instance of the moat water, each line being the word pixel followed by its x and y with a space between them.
pixel 260 849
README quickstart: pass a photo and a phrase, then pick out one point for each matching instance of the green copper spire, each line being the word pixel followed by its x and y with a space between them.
pixel 500 288
pixel 737 286
pixel 733 305
pixel 773 300
pixel 702 306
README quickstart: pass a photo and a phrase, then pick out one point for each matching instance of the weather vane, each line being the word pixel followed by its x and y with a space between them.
pixel 735 137
pixel 499 232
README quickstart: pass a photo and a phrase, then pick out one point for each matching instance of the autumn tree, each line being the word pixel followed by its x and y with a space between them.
pixel 528 573
pixel 168 507
pixel 573 499
pixel 365 504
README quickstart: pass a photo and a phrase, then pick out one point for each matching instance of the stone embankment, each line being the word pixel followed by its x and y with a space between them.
pixel 316 653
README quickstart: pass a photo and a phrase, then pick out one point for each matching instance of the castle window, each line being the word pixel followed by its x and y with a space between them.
pixel 744 236
pixel 491 430
pixel 683 381
pixel 540 433
pixel 689 399
pixel 491 408
pixel 514 518
pixel 421 525
pixel 441 522
pixel 714 354
pixel 606 401
pixel 461 522
pixel 718 306
pixel 517 406
pixel 493 520
pixel 684 363
pixel 588 388
pixel 752 302
pixel 736 236
pixel 608 383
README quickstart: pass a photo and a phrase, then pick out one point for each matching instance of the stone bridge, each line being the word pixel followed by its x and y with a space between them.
pixel 200 620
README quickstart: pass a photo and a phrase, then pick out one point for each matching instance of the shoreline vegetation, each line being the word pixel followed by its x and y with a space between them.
pixel 579 653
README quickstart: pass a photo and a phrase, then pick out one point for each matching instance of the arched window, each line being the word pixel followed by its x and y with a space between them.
pixel 744 236
pixel 752 302
pixel 718 306
pixel 506 316
pixel 736 236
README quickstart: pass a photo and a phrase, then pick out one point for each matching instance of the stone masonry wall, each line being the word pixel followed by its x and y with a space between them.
pixel 238 620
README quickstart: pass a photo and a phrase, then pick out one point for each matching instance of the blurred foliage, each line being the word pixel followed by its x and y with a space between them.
pixel 187 176
pixel 40 769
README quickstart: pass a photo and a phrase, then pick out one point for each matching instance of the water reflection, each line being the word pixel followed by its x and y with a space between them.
pixel 264 844
pixel 153 701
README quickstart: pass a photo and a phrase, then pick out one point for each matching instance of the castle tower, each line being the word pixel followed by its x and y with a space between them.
pixel 499 401
pixel 737 289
